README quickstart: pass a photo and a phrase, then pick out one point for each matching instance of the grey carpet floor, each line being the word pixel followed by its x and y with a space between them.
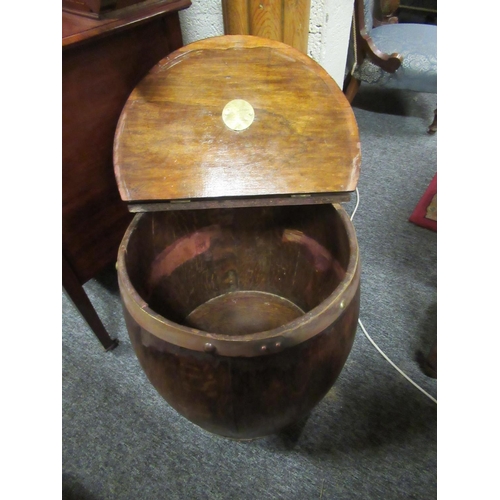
pixel 373 436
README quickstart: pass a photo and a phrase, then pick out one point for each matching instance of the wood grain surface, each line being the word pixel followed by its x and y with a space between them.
pixel 242 319
pixel 171 142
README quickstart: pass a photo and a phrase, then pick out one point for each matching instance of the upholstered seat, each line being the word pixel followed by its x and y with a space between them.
pixel 400 56
pixel 417 44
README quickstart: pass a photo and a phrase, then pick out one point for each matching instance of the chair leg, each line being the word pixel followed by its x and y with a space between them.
pixel 434 125
pixel 351 88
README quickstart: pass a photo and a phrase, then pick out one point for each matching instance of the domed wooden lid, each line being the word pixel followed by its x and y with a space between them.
pixel 237 120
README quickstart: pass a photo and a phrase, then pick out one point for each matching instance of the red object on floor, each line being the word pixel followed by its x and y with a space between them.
pixel 425 213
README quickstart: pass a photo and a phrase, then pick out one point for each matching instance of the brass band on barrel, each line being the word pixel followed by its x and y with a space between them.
pixel 249 345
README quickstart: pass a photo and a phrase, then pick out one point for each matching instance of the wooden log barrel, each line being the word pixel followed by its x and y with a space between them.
pixel 242 318
pixel 239 275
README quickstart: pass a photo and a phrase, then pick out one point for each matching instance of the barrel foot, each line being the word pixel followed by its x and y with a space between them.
pixel 292 433
pixel 114 344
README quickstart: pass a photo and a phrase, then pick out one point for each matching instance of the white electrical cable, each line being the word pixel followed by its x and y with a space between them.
pixel 375 345
pixel 357 204
pixel 387 359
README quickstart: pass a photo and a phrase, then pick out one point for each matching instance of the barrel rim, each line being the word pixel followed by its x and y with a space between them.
pixel 254 344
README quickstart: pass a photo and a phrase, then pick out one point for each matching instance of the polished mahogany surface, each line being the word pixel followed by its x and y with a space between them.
pixel 102 61
pixel 77 29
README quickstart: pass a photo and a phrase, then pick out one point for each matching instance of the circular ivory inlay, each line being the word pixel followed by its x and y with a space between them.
pixel 238 114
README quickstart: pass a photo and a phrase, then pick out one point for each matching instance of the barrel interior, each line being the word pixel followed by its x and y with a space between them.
pixel 237 271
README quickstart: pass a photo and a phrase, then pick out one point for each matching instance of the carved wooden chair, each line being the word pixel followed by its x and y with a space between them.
pixel 392 55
